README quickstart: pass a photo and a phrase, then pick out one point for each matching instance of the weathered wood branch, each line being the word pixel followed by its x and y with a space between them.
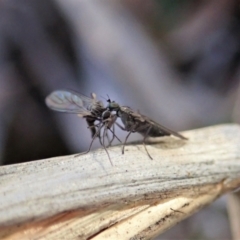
pixel 86 198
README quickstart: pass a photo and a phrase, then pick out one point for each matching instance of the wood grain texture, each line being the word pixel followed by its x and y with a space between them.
pixel 85 197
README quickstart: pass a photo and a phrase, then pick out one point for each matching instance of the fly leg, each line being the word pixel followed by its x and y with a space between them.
pixel 124 129
pixel 111 123
pixel 144 138
pixel 104 133
pixel 115 136
pixel 92 127
pixel 148 128
pixel 125 141
pixel 94 137
pixel 98 133
pixel 109 141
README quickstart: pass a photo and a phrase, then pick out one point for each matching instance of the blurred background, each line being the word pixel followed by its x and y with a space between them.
pixel 176 61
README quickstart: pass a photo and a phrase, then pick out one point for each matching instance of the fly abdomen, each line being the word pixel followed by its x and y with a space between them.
pixel 151 131
pixel 91 126
pixel 157 132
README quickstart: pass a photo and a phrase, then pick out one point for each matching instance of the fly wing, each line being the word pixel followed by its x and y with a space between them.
pixel 138 116
pixel 70 102
pixel 89 103
pixel 164 129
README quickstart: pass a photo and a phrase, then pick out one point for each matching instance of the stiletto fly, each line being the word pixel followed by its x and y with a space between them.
pixel 85 107
pixel 136 122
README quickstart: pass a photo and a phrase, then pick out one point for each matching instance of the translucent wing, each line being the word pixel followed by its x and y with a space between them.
pixel 89 103
pixel 67 101
pixel 162 128
pixel 166 130
pixel 142 118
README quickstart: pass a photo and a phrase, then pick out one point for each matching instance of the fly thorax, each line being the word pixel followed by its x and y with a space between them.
pixel 97 111
pixel 113 106
pixel 126 120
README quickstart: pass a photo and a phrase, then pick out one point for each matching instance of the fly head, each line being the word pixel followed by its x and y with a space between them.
pixel 112 105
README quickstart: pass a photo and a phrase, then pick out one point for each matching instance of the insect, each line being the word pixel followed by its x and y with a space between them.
pixel 85 107
pixel 136 122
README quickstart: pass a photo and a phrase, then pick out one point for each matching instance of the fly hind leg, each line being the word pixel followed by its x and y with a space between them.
pixel 125 141
pixel 143 142
pixel 124 129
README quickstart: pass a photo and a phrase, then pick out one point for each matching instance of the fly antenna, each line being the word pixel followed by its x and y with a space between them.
pixel 107 99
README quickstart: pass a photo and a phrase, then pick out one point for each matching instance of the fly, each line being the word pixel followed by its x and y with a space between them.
pixel 136 122
pixel 85 107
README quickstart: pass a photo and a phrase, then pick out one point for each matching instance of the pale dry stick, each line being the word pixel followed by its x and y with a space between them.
pixel 87 198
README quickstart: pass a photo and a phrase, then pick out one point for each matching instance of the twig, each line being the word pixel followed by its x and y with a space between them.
pixel 87 198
